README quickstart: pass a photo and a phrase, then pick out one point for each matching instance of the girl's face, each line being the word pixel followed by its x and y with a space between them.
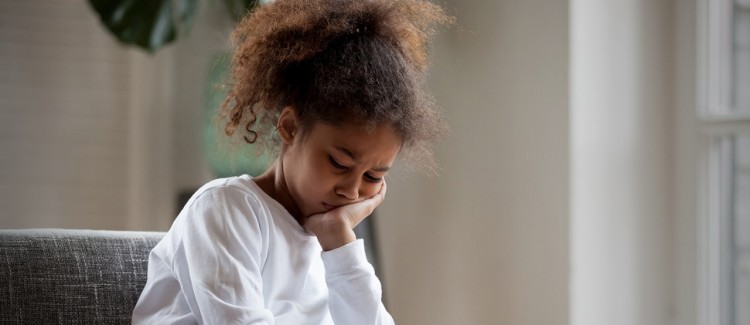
pixel 331 166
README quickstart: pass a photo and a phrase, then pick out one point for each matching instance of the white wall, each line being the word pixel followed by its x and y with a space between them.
pixel 687 142
pixel 555 204
pixel 486 242
pixel 94 134
pixel 63 118
pixel 622 229
pixel 168 94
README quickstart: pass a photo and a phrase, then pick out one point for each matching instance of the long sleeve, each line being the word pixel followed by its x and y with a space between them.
pixel 236 256
pixel 354 290
pixel 218 261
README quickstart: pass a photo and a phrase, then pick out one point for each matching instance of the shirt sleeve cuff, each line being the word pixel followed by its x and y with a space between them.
pixel 345 259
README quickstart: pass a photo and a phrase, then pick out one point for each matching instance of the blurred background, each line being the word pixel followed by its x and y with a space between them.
pixel 597 171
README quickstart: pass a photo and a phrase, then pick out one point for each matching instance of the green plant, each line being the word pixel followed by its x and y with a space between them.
pixel 151 24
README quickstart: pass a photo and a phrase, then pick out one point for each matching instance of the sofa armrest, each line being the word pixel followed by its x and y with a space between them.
pixel 72 276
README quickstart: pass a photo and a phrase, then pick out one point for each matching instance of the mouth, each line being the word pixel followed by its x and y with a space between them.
pixel 328 207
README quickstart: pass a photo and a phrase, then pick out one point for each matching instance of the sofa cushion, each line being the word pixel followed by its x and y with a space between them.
pixel 72 276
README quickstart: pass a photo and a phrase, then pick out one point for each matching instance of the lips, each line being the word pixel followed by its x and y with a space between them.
pixel 328 207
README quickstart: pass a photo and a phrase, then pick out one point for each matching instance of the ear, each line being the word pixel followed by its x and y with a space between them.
pixel 288 125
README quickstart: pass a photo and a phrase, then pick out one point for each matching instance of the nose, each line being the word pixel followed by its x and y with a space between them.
pixel 348 188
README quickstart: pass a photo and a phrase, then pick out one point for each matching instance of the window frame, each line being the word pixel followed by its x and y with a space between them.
pixel 715 122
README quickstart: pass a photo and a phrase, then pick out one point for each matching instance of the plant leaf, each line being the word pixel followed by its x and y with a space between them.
pixel 239 8
pixel 149 24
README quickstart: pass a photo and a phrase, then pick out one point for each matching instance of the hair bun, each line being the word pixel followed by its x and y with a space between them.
pixel 295 30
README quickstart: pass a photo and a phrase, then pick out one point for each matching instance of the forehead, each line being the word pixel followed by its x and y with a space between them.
pixel 380 143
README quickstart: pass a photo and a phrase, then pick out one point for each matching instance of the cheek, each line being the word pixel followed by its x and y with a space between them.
pixel 368 190
pixel 319 175
pixel 305 173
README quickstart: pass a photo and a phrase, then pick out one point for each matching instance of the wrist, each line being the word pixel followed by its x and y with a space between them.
pixel 331 241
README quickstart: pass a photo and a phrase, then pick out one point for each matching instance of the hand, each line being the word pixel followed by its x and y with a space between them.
pixel 335 228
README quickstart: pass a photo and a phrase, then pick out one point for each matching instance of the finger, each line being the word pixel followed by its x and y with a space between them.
pixel 360 210
pixel 383 189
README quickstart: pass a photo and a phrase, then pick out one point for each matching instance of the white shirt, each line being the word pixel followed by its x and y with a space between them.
pixel 234 255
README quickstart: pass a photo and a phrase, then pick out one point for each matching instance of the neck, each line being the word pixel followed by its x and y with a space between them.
pixel 273 182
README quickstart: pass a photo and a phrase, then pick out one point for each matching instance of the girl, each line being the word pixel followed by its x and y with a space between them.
pixel 335 88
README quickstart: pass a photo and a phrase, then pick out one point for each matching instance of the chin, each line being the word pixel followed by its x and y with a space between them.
pixel 312 212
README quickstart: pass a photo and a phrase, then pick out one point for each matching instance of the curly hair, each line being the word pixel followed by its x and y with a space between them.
pixel 336 61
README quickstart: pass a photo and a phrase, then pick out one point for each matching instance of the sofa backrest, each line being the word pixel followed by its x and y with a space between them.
pixel 56 276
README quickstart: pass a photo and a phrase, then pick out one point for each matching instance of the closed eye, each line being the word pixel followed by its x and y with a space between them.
pixel 373 179
pixel 336 164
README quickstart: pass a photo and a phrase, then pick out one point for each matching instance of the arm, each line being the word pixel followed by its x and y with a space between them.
pixel 354 290
pixel 218 261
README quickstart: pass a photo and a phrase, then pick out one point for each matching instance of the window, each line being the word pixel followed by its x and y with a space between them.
pixel 723 118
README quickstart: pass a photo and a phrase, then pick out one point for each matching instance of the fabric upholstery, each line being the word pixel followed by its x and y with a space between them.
pixel 56 276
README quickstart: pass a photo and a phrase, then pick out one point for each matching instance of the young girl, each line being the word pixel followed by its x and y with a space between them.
pixel 335 88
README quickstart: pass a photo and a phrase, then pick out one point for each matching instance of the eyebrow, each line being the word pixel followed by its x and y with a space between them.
pixel 353 157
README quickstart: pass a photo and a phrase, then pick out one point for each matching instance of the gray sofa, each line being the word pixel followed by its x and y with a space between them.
pixel 56 276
